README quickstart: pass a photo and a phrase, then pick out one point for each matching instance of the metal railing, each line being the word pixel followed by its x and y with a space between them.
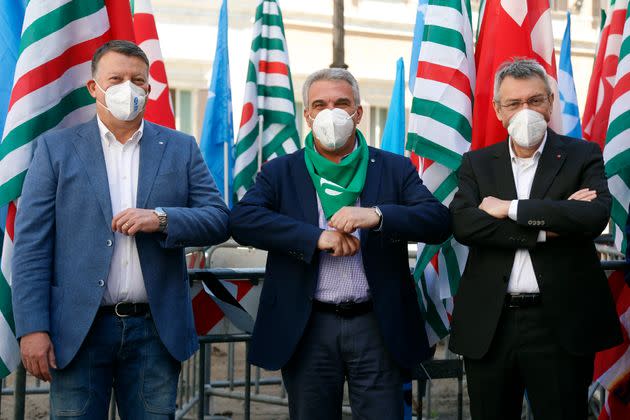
pixel 195 380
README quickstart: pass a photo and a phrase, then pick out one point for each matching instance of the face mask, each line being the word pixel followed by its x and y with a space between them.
pixel 527 128
pixel 125 100
pixel 333 127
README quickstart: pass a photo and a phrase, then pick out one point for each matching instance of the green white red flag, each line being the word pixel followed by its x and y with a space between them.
pixel 269 107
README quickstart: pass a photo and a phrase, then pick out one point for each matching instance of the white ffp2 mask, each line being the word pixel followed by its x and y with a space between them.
pixel 527 128
pixel 333 127
pixel 125 100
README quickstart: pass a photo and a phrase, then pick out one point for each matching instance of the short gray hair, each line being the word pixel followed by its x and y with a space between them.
pixel 331 74
pixel 519 68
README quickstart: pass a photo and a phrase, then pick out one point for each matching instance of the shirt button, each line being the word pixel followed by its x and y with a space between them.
pixel 109 242
pixel 101 283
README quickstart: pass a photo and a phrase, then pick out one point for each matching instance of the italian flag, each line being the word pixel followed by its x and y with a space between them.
pixel 269 107
pixel 58 40
pixel 440 130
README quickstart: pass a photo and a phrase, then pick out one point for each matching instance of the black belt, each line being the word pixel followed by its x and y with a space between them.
pixel 522 300
pixel 344 309
pixel 125 309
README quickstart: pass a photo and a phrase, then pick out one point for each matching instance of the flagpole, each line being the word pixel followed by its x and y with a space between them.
pixel 226 173
pixel 261 120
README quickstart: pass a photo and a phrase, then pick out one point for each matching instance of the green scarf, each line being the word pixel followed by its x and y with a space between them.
pixel 337 184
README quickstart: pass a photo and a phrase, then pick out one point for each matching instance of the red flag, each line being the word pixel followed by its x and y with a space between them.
pixel 159 108
pixel 119 13
pixel 612 366
pixel 510 29
pixel 600 89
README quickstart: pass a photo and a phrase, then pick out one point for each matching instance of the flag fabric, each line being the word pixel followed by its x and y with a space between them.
pixel 418 30
pixel 528 24
pixel 268 97
pixel 218 131
pixel 566 86
pixel 617 147
pixel 393 139
pixel 159 108
pixel 440 126
pixel 612 366
pixel 600 88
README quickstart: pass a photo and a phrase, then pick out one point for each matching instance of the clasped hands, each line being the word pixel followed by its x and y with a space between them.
pixel 499 209
pixel 340 242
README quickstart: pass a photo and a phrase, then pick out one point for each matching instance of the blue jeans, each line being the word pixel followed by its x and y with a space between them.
pixel 126 354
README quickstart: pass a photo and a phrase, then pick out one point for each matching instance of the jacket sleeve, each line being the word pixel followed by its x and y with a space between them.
pixel 204 221
pixel 420 217
pixel 33 252
pixel 475 227
pixel 573 217
pixel 256 221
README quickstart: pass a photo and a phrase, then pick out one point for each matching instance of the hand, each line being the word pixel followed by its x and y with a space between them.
pixel 551 234
pixel 584 195
pixel 349 219
pixel 131 221
pixel 495 207
pixel 38 355
pixel 339 244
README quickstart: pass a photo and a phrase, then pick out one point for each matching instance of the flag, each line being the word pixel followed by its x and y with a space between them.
pixel 612 366
pixel 566 86
pixel 617 147
pixel 268 97
pixel 11 17
pixel 418 30
pixel 440 128
pixel 393 139
pixel 600 88
pixel 217 135
pixel 528 24
pixel 159 108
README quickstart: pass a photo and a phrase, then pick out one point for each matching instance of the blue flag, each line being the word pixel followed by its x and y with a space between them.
pixel 417 40
pixel 566 86
pixel 394 134
pixel 218 129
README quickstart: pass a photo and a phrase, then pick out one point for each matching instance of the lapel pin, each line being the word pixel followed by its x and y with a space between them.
pixel 558 156
pixel 372 160
pixel 161 142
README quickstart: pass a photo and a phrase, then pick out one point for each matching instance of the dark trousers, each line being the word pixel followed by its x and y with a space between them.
pixel 332 350
pixel 524 356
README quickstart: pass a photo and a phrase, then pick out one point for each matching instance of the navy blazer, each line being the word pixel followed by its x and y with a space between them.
pixel 279 214
pixel 63 235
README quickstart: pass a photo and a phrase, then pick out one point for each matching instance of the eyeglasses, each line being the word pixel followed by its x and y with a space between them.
pixel 533 102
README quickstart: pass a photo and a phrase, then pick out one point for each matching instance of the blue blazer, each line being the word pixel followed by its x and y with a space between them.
pixel 279 214
pixel 63 236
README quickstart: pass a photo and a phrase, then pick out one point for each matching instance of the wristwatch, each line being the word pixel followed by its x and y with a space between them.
pixel 380 218
pixel 162 218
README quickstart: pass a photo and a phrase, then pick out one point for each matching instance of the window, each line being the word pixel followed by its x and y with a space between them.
pixel 184 106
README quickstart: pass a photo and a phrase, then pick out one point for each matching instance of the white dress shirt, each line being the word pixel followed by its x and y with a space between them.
pixel 523 277
pixel 125 282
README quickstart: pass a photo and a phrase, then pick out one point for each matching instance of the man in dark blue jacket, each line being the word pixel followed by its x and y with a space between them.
pixel 338 302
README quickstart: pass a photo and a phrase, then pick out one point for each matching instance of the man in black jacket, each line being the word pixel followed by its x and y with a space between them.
pixel 534 305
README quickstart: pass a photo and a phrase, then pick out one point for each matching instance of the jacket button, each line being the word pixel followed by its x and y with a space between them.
pixel 109 242
pixel 529 222
pixel 101 283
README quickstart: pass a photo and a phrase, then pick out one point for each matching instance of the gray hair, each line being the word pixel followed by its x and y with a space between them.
pixel 331 74
pixel 519 68
pixel 119 46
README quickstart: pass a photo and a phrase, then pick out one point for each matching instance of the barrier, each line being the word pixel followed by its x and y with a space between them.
pixel 193 382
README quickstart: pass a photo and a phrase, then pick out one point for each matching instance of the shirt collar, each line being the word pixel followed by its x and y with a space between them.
pixel 536 154
pixel 108 137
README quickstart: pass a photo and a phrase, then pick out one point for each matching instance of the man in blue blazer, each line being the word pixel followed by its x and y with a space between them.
pixel 338 301
pixel 100 290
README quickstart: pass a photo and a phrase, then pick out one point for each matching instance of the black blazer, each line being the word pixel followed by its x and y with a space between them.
pixel 279 214
pixel 576 300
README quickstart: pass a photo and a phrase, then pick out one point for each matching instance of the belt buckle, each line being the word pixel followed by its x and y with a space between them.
pixel 342 308
pixel 118 314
